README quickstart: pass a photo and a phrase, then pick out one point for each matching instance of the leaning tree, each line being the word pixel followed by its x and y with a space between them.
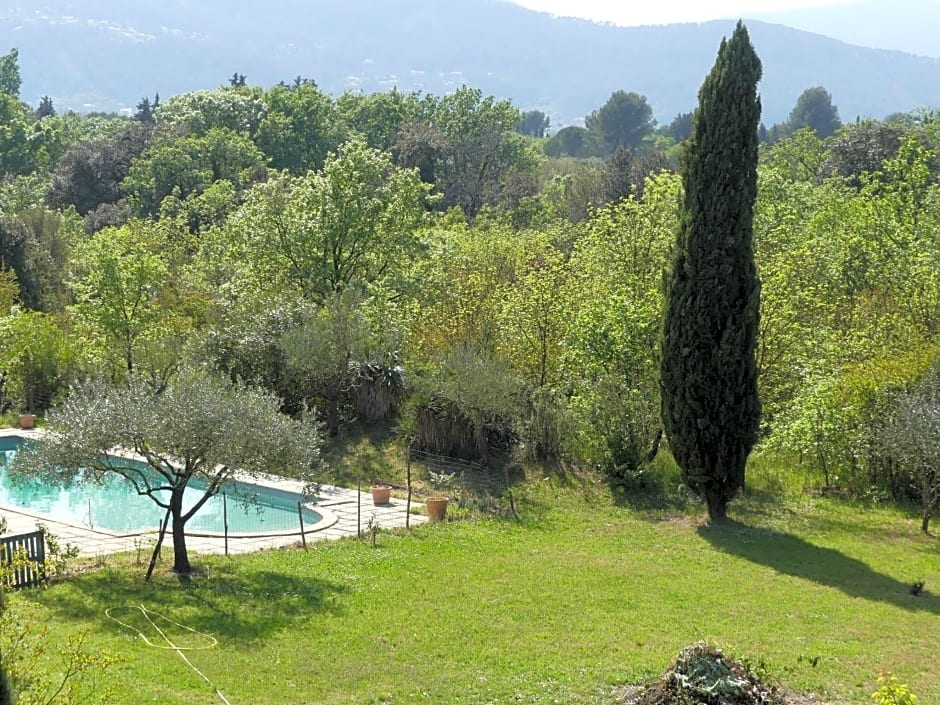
pixel 711 409
pixel 198 428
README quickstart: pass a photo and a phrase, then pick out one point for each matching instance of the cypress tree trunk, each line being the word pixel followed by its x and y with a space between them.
pixel 7 696
pixel 6 690
pixel 711 410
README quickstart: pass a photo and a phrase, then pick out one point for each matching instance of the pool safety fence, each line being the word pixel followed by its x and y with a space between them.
pixel 22 559
pixel 471 482
pixel 253 531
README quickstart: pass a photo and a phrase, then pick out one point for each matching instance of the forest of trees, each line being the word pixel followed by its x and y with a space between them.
pixel 450 263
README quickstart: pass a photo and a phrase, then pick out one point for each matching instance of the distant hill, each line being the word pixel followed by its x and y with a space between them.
pixel 902 25
pixel 107 54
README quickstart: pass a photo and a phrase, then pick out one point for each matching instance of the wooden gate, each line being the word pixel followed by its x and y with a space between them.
pixel 15 572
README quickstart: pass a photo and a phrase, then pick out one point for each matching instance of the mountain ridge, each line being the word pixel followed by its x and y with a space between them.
pixel 901 25
pixel 105 55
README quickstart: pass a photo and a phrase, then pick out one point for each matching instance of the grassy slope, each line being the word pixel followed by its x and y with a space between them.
pixel 576 597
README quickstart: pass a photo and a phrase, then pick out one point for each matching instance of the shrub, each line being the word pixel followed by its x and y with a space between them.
pixel 38 360
pixel 891 692
pixel 467 407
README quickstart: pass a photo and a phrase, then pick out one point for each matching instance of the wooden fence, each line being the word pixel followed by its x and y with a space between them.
pixel 14 571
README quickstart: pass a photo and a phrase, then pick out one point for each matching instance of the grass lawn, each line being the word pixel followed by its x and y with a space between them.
pixel 578 596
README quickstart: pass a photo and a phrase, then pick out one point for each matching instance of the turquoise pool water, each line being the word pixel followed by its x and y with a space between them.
pixel 115 505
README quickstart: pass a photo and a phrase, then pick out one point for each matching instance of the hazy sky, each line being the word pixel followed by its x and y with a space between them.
pixel 668 11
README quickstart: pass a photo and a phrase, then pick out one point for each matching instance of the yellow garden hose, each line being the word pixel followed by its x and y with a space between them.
pixel 169 644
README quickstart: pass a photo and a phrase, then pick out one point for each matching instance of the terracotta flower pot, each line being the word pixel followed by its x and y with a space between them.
pixel 381 494
pixel 437 508
pixel 27 421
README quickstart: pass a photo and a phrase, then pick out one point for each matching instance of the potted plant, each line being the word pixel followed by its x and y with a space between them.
pixel 436 503
pixel 381 494
pixel 27 421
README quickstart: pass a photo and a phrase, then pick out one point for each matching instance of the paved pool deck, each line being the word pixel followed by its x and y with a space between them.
pixel 345 512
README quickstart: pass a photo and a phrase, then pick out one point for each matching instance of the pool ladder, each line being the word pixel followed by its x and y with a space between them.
pixel 87 515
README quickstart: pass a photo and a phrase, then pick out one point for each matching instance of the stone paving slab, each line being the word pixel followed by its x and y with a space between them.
pixel 337 506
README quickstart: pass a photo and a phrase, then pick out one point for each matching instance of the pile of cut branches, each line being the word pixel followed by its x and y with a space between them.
pixel 703 675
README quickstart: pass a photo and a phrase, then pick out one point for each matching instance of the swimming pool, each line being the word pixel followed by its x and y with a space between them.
pixel 115 505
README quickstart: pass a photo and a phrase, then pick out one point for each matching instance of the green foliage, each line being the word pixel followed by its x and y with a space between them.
pixel 38 358
pixel 58 556
pixel 118 281
pixel 326 351
pixel 814 110
pixel 90 171
pixel 862 148
pixel 533 319
pixel 548 425
pixel 680 129
pixel 35 242
pixel 467 406
pixel 849 301
pixel 911 435
pixel 504 294
pixel 45 109
pixel 17 146
pixel 836 420
pixel 6 688
pixel 199 212
pixel 711 408
pixel 466 144
pixel 893 692
pixel 353 224
pixel 571 141
pixel 534 123
pixel 78 673
pixel 378 117
pixel 10 80
pixel 244 343
pixel 612 349
pixel 625 120
pixel 799 157
pixel 183 166
pixel 462 282
pixel 300 128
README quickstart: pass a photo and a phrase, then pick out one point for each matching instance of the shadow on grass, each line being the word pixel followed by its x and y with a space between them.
pixel 230 602
pixel 847 518
pixel 652 500
pixel 792 555
pixel 654 494
pixel 654 491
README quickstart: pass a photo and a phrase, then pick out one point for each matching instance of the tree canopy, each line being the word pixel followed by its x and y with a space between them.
pixel 625 120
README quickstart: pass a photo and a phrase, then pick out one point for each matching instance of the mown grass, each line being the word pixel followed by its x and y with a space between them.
pixel 583 593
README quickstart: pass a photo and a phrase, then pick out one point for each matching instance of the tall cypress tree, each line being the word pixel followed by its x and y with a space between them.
pixel 711 409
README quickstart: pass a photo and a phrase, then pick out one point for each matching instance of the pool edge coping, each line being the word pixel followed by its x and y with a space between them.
pixel 328 518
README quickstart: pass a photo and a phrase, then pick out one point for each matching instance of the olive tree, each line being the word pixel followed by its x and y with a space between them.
pixel 912 436
pixel 325 351
pixel 198 427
